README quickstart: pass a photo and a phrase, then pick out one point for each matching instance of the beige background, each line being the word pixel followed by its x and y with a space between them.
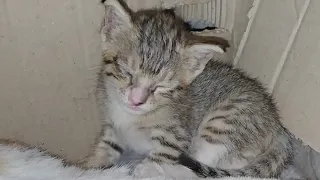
pixel 297 86
pixel 49 53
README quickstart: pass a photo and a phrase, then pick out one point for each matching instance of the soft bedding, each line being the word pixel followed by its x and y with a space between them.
pixel 21 163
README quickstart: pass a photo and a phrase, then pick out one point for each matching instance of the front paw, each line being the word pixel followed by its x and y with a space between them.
pixel 96 162
pixel 171 171
pixel 147 170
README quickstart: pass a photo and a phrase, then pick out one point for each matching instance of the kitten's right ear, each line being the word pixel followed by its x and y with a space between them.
pixel 198 51
pixel 117 18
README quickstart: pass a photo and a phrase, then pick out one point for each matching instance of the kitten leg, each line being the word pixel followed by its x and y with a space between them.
pixel 167 144
pixel 209 153
pixel 108 149
pixel 212 143
pixel 242 136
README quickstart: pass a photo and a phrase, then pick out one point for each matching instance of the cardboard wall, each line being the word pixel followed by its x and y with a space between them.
pixel 49 53
pixel 282 50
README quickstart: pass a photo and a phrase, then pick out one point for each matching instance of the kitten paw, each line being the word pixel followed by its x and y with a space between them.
pixel 96 162
pixel 147 170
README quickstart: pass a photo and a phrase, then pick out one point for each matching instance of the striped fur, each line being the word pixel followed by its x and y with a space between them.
pixel 18 161
pixel 216 114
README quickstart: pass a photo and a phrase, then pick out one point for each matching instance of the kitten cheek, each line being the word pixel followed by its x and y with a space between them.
pixel 164 93
pixel 159 99
pixel 124 89
pixel 112 81
pixel 152 100
pixel 156 95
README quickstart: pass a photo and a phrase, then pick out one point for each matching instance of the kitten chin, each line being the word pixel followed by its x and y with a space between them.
pixel 137 111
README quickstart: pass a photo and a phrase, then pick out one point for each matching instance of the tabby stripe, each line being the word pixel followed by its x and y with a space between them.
pixel 227 107
pixel 258 128
pixel 239 101
pixel 114 146
pixel 165 143
pixel 179 88
pixel 165 95
pixel 107 62
pixel 198 168
pixel 214 130
pixel 241 173
pixel 224 172
pixel 180 138
pixel 153 159
pixel 256 171
pixel 217 117
pixel 117 66
pixel 115 58
pixel 230 121
pixel 107 125
pixel 104 127
pixel 167 156
pixel 266 163
pixel 173 130
pixel 273 156
pixel 211 140
pixel 111 74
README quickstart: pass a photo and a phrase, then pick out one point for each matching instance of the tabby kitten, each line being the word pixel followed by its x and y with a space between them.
pixel 161 94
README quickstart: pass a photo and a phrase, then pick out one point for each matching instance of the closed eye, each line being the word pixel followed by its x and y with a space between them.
pixel 130 76
pixel 126 73
pixel 158 87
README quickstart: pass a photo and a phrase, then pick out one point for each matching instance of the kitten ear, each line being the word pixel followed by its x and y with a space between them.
pixel 198 52
pixel 117 18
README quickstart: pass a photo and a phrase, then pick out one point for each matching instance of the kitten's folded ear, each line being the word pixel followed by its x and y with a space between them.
pixel 198 52
pixel 117 18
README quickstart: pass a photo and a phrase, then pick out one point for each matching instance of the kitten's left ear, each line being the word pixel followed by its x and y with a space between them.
pixel 198 52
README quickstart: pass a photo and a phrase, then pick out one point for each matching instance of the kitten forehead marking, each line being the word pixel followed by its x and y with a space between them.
pixel 159 39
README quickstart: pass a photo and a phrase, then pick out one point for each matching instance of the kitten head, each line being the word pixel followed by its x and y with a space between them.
pixel 149 55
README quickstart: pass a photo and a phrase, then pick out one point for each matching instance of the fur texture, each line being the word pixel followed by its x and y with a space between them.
pixel 19 162
pixel 161 94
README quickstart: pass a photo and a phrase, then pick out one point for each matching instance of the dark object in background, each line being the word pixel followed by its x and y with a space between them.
pixel 199 25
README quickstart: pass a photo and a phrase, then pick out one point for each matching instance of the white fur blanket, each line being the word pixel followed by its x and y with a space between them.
pixel 17 163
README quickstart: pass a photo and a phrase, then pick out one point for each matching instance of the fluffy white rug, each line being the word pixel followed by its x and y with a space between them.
pixel 17 163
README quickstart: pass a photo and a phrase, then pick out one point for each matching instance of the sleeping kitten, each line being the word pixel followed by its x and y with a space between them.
pixel 161 94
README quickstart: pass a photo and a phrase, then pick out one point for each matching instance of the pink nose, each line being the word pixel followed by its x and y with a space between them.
pixel 138 96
